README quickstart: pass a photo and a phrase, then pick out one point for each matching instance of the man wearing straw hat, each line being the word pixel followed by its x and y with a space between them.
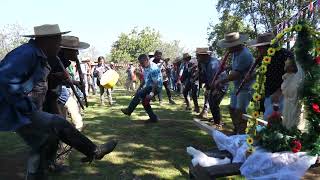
pixel 189 76
pixel 241 63
pixel 23 85
pixel 275 71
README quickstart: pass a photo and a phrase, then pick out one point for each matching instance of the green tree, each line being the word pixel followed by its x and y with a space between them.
pixel 128 46
pixel 227 23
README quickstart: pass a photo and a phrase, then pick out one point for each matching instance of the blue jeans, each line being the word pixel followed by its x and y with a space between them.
pixel 241 102
pixel 140 96
pixel 268 107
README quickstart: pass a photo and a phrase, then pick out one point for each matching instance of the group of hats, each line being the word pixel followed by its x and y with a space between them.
pixel 67 42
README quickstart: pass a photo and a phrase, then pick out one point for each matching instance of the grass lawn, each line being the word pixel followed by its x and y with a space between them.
pixel 154 151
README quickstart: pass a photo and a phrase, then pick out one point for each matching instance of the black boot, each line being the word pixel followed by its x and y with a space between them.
pixel 101 151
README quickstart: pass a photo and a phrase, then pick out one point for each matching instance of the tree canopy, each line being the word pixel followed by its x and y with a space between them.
pixel 129 46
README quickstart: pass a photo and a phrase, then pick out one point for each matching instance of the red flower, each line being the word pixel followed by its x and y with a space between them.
pixel 317 59
pixel 296 146
pixel 315 107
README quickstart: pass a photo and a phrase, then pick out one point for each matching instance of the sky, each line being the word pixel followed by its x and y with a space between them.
pixel 100 22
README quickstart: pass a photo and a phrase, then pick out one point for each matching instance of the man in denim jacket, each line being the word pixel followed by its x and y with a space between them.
pixel 23 86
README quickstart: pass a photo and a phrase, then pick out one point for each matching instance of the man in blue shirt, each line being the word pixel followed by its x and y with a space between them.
pixel 242 60
pixel 210 66
pixel 150 87
pixel 23 85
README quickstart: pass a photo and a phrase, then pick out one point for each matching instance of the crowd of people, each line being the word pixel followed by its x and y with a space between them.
pixel 36 97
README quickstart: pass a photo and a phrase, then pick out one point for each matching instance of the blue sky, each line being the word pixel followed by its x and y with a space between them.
pixel 99 22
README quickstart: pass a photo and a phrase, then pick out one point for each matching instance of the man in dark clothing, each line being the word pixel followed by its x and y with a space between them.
pixel 23 86
pixel 190 79
pixel 275 71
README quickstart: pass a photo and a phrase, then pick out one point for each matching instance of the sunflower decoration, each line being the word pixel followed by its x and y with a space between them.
pixel 298 27
pixel 250 140
pixel 255 114
pixel 251 105
pixel 263 69
pixel 267 59
pixel 247 130
pixel 273 41
pixel 250 149
pixel 255 86
pixel 256 97
pixel 271 51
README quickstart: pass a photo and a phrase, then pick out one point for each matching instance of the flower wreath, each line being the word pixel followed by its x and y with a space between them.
pixel 276 137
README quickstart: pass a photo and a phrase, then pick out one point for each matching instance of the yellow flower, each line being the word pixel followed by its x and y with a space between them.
pixel 255 86
pixel 273 41
pixel 279 36
pixel 249 140
pixel 263 69
pixel 267 59
pixel 256 97
pixel 251 105
pixel 255 114
pixel 271 51
pixel 250 149
pixel 298 27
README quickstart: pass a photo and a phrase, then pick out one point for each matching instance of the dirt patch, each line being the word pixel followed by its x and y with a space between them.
pixel 13 166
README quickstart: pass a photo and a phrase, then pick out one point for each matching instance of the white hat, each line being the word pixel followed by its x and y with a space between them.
pixel 232 39
pixel 72 42
pixel 262 40
pixel 46 30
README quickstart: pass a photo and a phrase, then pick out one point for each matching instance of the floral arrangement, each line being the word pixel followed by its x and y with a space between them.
pixel 307 50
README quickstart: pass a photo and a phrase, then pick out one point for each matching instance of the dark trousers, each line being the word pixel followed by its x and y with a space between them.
pixel 214 103
pixel 140 96
pixel 42 134
pixel 167 88
pixel 189 86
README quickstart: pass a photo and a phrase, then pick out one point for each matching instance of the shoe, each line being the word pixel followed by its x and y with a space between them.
pixel 101 151
pixel 151 121
pixel 203 115
pixel 126 112
pixel 171 101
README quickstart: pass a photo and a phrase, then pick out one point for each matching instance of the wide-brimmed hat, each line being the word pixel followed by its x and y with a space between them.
pixel 203 51
pixel 72 42
pixel 262 40
pixel 46 30
pixel 232 39
pixel 186 55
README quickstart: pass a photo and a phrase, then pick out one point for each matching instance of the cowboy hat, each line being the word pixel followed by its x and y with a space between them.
pixel 46 30
pixel 262 40
pixel 203 51
pixel 232 39
pixel 72 42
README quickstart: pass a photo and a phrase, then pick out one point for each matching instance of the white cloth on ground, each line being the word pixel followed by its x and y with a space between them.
pixel 203 160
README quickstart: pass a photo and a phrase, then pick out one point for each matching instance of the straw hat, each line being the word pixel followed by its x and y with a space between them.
pixel 46 30
pixel 203 51
pixel 262 40
pixel 232 39
pixel 72 42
